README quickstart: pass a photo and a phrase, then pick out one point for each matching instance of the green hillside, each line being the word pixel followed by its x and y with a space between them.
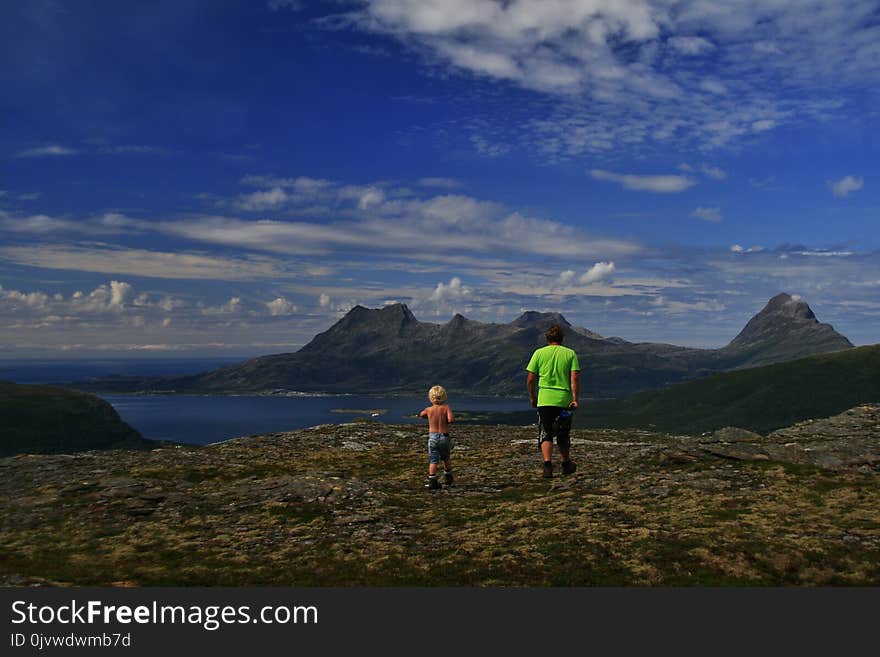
pixel 46 419
pixel 761 399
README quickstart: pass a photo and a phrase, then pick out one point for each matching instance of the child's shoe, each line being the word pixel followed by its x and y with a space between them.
pixel 433 483
pixel 569 467
pixel 448 479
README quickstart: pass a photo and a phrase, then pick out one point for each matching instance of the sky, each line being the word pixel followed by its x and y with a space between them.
pixel 195 178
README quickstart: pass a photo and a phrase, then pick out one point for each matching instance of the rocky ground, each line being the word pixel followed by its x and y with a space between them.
pixel 345 505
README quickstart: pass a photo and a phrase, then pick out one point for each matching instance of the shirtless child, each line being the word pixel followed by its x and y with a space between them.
pixel 439 416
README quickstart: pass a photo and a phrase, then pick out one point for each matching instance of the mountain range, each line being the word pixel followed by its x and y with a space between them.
pixel 388 350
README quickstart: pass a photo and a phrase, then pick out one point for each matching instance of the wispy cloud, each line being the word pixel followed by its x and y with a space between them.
pixel 664 184
pixel 649 70
pixel 52 150
pixel 442 183
pixel 142 262
pixel 712 215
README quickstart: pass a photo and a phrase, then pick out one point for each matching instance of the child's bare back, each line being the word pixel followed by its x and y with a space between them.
pixel 439 417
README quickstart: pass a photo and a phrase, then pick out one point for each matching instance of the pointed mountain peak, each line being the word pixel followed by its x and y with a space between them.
pixel 400 310
pixel 532 318
pixel 785 326
pixel 788 305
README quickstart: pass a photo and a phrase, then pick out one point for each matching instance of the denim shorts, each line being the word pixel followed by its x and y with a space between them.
pixel 439 447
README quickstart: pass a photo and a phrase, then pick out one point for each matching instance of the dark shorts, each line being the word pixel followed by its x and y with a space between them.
pixel 554 422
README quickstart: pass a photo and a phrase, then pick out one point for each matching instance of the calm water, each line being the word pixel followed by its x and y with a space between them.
pixel 204 419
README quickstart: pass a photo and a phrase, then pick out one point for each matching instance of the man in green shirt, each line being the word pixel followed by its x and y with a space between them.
pixel 554 371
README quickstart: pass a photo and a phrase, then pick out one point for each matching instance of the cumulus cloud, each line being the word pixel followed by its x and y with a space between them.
pixel 451 291
pixel 120 293
pixel 231 307
pixel 846 185
pixel 281 306
pixel 712 215
pixel 598 272
pixel 663 184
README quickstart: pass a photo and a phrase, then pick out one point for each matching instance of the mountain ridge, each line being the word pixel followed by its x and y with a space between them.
pixel 389 351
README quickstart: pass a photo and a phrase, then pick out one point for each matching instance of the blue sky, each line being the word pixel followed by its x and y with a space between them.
pixel 194 177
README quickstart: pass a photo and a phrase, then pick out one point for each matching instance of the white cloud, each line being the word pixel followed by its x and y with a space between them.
pixel 412 226
pixel 691 45
pixel 712 215
pixel 598 272
pixel 762 125
pixel 644 69
pixel 713 172
pixel 281 306
pixel 843 187
pixel 141 262
pixel 661 183
pixel 120 293
pixel 324 301
pixel 231 307
pixel 47 151
pixel 452 291
pixel 264 200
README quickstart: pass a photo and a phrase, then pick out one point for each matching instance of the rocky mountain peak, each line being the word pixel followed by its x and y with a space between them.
pixel 785 326
pixel 787 305
pixel 534 319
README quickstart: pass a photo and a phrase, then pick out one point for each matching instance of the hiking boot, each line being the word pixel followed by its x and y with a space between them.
pixel 448 479
pixel 433 483
pixel 568 467
pixel 548 470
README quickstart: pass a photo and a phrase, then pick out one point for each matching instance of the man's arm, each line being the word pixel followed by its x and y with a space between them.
pixel 575 387
pixel 532 384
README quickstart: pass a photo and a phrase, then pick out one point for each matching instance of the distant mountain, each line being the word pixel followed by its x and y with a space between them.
pixel 48 420
pixel 388 350
pixel 786 328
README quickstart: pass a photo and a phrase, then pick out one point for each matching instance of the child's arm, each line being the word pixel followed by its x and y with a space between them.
pixel 449 417
pixel 424 413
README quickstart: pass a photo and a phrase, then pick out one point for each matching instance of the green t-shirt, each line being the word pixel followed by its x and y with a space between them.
pixel 554 364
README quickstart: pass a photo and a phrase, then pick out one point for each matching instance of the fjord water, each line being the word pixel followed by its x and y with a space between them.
pixel 208 419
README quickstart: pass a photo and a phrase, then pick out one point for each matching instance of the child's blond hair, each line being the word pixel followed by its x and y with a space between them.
pixel 437 394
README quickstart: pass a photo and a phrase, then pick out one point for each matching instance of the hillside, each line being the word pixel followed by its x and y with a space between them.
pixel 345 505
pixel 389 351
pixel 761 398
pixel 47 419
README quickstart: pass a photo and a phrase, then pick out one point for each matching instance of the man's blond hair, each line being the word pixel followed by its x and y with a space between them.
pixel 437 394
